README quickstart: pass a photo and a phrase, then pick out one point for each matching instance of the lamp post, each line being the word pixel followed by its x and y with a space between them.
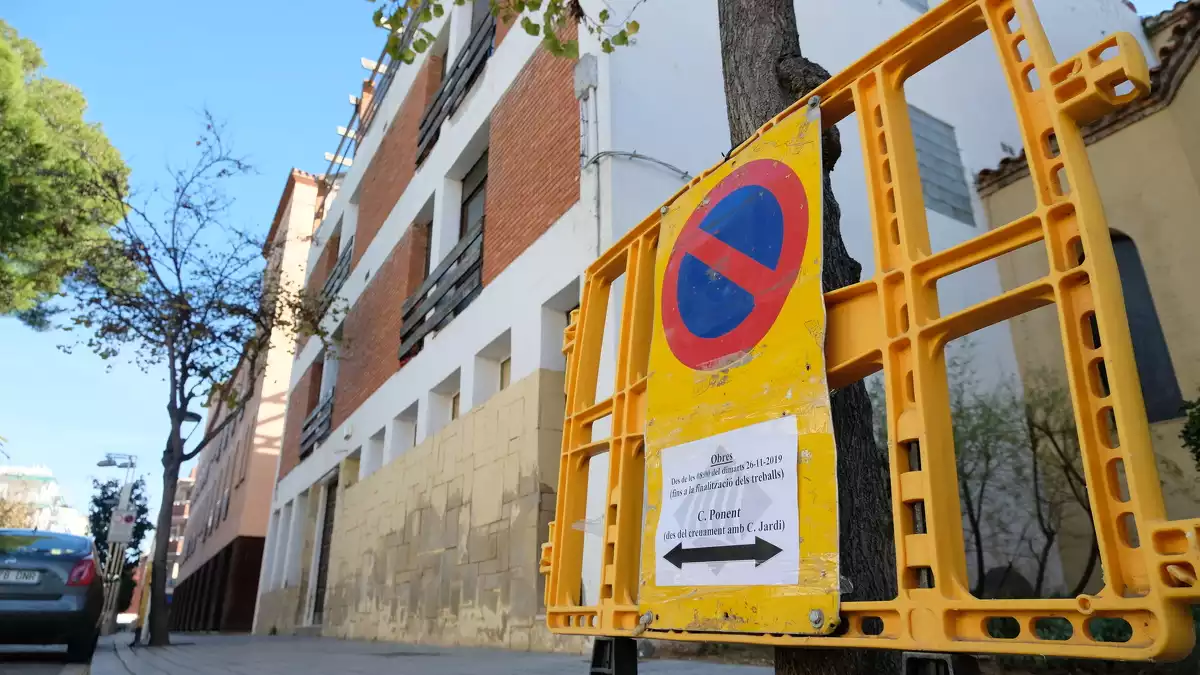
pixel 117 539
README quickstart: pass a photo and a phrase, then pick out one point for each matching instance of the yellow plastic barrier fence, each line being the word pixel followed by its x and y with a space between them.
pixel 890 322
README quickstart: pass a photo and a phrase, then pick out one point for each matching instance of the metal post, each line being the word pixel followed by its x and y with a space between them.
pixel 614 656
pixel 112 584
pixel 922 663
pixel 115 564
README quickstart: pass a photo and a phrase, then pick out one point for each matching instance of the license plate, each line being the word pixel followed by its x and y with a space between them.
pixel 18 577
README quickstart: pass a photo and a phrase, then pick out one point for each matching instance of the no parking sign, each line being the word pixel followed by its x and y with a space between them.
pixel 741 522
pixel 734 264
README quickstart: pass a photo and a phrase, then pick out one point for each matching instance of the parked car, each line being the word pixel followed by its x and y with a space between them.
pixel 51 591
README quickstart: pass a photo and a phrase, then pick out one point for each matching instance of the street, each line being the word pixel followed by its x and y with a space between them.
pixel 245 655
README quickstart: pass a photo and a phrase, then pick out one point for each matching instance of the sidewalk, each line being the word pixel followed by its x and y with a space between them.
pixel 246 655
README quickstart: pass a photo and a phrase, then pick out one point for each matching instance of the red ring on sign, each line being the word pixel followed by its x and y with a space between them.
pixel 771 287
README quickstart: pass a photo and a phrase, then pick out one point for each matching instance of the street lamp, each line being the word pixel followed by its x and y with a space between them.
pixel 115 562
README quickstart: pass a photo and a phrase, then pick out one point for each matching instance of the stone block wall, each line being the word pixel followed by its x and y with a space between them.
pixel 442 544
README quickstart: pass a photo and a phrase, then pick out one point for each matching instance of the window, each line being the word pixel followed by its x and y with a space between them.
pixel 1160 387
pixel 247 450
pixel 328 374
pixel 454 400
pixel 480 11
pixel 315 384
pixel 943 178
pixel 505 373
pixel 428 227
pixel 474 196
pixel 919 5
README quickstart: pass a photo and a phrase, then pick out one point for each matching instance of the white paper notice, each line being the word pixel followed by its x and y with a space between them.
pixel 730 515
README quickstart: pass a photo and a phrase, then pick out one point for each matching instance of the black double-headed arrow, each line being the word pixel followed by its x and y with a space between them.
pixel 760 552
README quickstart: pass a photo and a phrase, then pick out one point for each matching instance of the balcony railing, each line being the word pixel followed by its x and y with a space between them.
pixel 360 120
pixel 459 78
pixel 445 293
pixel 337 277
pixel 316 426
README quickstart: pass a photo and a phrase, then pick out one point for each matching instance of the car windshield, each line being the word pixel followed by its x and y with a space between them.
pixel 41 543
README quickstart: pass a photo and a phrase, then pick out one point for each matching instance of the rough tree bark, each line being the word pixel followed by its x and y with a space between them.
pixel 764 73
pixel 171 460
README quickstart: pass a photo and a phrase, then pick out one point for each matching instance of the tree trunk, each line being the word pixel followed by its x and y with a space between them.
pixel 1093 557
pixel 1043 562
pixel 764 73
pixel 159 619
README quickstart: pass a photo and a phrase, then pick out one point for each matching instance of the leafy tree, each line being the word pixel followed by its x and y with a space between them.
pixel 15 514
pixel 100 510
pixel 54 217
pixel 1020 476
pixel 104 500
pixel 205 302
pixel 764 73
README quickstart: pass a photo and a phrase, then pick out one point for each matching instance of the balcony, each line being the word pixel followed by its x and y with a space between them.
pixel 337 277
pixel 316 426
pixel 459 78
pixel 445 293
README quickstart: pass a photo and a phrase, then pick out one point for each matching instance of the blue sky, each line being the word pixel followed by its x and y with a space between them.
pixel 277 72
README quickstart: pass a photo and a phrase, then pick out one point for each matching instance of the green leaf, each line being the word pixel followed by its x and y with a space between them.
pixel 570 49
pixel 438 11
pixel 426 15
pixel 377 17
pixel 408 56
pixel 603 15
pixel 606 46
pixel 530 27
pixel 632 27
pixel 533 5
pixel 620 39
pixel 419 46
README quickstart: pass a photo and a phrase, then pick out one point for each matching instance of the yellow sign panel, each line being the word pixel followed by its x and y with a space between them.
pixel 741 533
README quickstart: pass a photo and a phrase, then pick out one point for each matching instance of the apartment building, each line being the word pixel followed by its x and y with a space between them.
pixel 180 510
pixel 420 451
pixel 38 490
pixel 1145 158
pixel 226 520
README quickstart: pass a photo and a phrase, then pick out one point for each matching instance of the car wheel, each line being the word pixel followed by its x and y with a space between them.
pixel 80 649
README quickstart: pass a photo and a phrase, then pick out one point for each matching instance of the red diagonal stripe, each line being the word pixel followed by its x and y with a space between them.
pixel 731 263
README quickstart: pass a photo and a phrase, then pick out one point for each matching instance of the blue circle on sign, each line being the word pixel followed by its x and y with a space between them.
pixel 750 221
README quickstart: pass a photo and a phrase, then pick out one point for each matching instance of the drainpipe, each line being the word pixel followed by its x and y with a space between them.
pixel 586 78
pixel 586 82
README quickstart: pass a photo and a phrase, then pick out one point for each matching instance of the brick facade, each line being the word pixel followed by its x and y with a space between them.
pixel 372 328
pixel 533 159
pixel 289 449
pixel 395 162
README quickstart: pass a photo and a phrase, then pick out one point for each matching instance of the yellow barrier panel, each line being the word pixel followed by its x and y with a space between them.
pixel 892 322
pixel 740 463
